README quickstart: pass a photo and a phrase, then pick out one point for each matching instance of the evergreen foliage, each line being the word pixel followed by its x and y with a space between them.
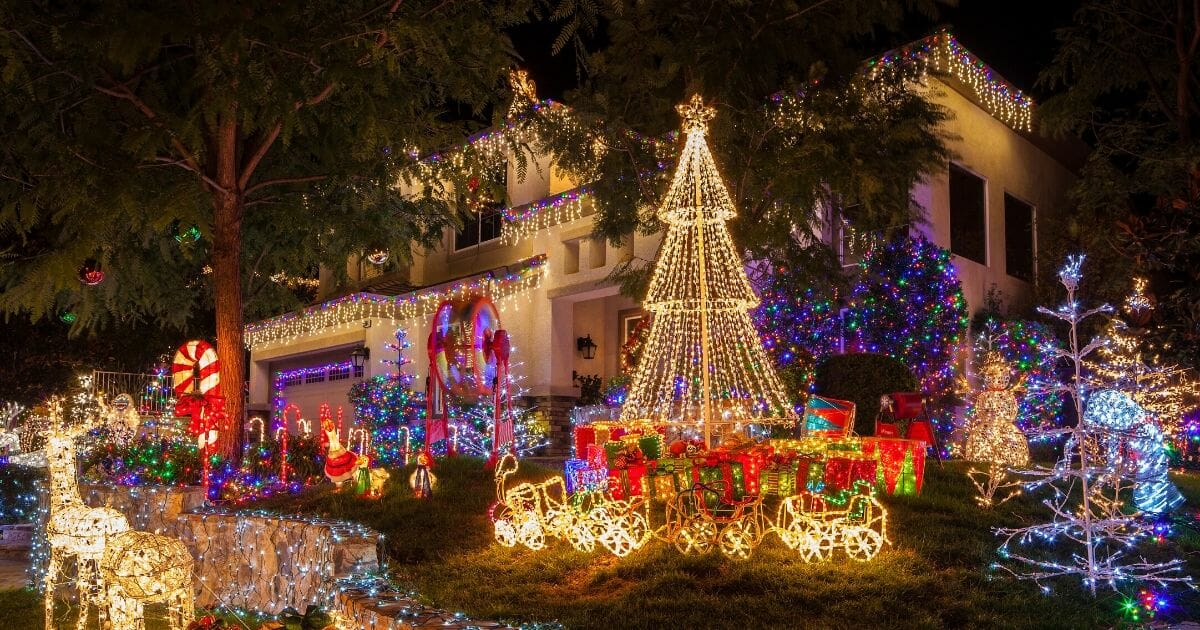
pixel 862 378
pixel 801 129
pixel 279 132
pixel 1128 73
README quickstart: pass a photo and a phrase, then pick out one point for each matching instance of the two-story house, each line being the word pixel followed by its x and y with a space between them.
pixel 535 256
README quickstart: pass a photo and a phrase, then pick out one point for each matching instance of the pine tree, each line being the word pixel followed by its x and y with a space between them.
pixel 269 138
pixel 703 365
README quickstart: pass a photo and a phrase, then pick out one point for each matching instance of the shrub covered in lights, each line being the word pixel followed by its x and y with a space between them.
pixel 145 461
pixel 19 493
pixel 384 404
pixel 908 304
pixel 799 327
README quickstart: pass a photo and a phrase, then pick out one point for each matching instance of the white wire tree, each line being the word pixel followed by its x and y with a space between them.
pixel 1085 488
pixel 474 422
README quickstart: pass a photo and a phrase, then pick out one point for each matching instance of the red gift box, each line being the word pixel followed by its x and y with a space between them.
pixel 584 436
pixel 626 482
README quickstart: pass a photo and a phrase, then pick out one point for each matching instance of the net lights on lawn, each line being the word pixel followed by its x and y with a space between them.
pixel 1085 490
pixel 703 366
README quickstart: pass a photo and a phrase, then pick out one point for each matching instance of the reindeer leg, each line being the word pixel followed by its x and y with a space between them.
pixel 53 568
pixel 85 577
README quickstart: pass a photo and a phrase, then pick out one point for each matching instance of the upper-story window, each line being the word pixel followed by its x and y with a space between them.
pixel 480 227
pixel 968 215
pixel 1019 238
pixel 484 204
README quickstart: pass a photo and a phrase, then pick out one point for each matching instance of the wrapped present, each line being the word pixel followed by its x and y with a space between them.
pixel 626 482
pixel 780 477
pixel 612 449
pixel 724 470
pixel 584 436
pixel 810 473
pixel 581 475
pixel 842 472
pixel 678 467
pixel 596 456
pixel 651 445
pixel 662 485
pixel 901 464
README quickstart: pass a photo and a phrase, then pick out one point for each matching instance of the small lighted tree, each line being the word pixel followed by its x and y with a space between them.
pixel 1085 489
pixel 1126 363
pixel 474 422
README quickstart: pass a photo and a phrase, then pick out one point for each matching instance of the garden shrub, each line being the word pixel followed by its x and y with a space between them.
pixel 863 378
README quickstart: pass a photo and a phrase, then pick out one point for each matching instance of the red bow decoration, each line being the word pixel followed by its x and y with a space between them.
pixel 206 412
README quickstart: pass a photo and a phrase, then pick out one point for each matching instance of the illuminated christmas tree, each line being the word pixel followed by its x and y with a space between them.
pixel 703 366
pixel 1086 483
pixel 1126 363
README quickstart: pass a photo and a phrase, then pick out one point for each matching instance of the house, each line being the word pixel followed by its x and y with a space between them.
pixel 534 256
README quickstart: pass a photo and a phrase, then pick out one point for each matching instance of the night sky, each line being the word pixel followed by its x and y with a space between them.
pixel 1015 37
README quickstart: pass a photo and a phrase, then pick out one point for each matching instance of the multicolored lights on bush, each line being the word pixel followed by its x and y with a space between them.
pixel 908 303
pixel 798 327
pixel 1031 350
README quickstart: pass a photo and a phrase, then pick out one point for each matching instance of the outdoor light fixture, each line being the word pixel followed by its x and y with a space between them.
pixel 586 346
pixel 359 356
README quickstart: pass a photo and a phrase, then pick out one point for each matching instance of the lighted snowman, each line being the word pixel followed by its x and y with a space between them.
pixel 993 435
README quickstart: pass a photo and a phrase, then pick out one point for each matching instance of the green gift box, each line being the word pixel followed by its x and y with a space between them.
pixel 651 445
pixel 613 448
pixel 680 468
pixel 780 480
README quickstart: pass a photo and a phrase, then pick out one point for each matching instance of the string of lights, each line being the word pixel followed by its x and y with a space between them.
pixel 703 366
pixel 350 311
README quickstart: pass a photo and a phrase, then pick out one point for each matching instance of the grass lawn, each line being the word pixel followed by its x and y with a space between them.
pixel 22 610
pixel 936 574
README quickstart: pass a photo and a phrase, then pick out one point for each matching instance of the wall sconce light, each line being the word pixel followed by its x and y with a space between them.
pixel 586 346
pixel 359 356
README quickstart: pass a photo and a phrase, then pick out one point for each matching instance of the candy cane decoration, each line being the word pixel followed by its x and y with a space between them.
pixel 196 369
pixel 257 420
pixel 196 380
pixel 283 444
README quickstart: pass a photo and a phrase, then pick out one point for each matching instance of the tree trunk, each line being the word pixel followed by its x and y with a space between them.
pixel 227 295
pixel 228 209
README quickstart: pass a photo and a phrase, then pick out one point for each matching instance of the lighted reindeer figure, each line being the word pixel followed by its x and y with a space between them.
pixel 140 568
pixel 73 530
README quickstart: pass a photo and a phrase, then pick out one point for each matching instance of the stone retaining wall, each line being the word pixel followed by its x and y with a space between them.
pixel 254 561
pixel 268 563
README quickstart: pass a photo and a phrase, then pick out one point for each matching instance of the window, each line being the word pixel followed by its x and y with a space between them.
pixel 480 228
pixel 968 215
pixel 1018 238
pixel 314 376
pixel 485 204
pixel 339 372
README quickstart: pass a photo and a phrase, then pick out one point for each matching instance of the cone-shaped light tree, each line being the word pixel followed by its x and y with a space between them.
pixel 703 366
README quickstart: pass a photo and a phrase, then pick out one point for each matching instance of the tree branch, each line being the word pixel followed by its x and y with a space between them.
pixel 285 180
pixel 124 93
